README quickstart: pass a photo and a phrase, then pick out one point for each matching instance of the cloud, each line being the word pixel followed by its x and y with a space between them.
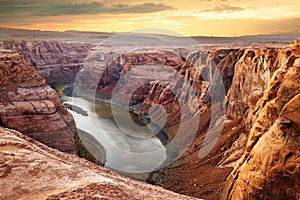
pixel 225 8
pixel 38 8
pixel 9 3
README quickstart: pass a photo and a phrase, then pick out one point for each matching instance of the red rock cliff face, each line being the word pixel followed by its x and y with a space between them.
pixel 270 166
pixel 258 176
pixel 28 105
pixel 252 73
pixel 57 62
pixel 103 75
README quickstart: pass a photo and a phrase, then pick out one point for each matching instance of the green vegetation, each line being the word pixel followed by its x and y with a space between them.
pixel 90 149
pixel 59 88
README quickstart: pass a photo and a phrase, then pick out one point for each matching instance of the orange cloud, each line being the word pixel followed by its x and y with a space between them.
pixel 191 17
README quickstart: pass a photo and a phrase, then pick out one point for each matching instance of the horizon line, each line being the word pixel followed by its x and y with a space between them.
pixel 151 33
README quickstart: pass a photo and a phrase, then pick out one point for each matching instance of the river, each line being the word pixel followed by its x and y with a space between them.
pixel 126 149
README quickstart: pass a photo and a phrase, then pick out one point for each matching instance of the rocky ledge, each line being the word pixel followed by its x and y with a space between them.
pixel 29 105
pixel 31 170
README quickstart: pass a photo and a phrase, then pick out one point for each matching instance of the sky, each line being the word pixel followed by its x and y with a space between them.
pixel 185 17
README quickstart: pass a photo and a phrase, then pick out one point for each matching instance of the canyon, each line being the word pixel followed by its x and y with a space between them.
pixel 244 100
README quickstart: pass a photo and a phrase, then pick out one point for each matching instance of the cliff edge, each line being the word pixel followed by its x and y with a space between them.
pixel 270 166
pixel 29 105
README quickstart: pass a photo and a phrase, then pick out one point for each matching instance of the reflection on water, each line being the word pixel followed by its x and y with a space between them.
pixel 125 152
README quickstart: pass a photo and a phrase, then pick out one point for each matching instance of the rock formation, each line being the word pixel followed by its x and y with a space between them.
pixel 28 105
pixel 270 166
pixel 31 170
pixel 57 62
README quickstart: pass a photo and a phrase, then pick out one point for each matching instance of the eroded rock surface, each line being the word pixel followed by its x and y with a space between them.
pixel 31 170
pixel 57 62
pixel 251 74
pixel 29 105
pixel 270 166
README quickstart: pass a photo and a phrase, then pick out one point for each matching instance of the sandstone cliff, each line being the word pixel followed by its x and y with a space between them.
pixel 57 62
pixel 269 162
pixel 28 105
pixel 31 170
pixel 270 166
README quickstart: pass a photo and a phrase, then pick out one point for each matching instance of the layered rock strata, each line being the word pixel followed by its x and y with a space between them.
pixel 57 62
pixel 270 166
pixel 263 98
pixel 29 105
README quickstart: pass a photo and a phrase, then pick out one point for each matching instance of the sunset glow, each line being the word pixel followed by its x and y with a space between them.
pixel 193 17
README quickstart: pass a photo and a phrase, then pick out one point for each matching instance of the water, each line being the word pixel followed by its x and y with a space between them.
pixel 127 149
